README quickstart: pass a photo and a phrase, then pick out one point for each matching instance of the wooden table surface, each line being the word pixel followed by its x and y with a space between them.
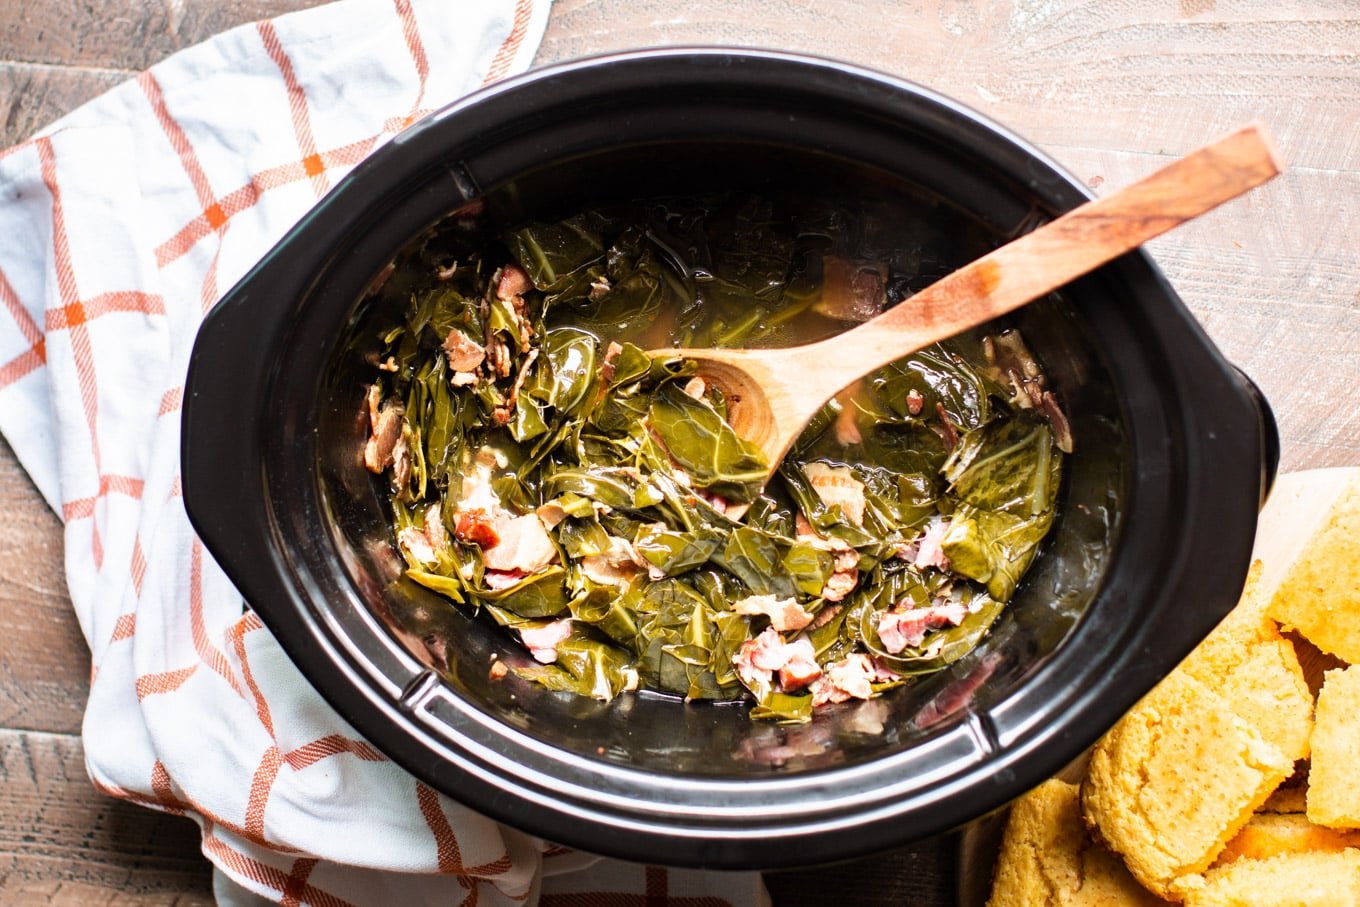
pixel 1111 88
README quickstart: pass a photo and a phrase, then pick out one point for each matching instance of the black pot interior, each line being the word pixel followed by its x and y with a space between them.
pixel 945 209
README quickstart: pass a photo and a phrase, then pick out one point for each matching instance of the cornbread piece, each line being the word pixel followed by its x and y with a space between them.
pixel 1320 594
pixel 1048 860
pixel 1264 686
pixel 1287 880
pixel 1334 779
pixel 1184 770
pixel 1269 834
pixel 1176 778
pixel 1179 775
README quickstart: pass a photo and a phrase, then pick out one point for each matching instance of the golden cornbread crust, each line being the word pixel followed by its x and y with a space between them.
pixel 1270 834
pixel 1236 781
pixel 1049 860
pixel 1333 788
pixel 1287 880
pixel 1320 595
pixel 1184 770
pixel 1175 780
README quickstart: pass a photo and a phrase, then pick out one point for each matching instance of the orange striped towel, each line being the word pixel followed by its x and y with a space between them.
pixel 120 226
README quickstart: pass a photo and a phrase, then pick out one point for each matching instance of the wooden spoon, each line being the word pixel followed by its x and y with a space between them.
pixel 773 393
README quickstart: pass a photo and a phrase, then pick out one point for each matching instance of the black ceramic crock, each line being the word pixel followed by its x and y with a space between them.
pixel 1175 453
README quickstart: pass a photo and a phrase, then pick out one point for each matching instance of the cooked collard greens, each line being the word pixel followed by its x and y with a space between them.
pixel 545 470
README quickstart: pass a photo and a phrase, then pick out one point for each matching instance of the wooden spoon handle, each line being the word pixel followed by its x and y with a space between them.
pixel 1062 250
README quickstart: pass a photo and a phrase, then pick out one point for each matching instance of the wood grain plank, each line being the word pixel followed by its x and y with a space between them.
pixel 1272 279
pixel 32 96
pixel 1134 75
pixel 118 34
pixel 62 842
pixel 44 661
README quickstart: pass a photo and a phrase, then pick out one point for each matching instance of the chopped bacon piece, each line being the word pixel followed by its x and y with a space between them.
pixel 552 514
pixel 599 288
pixel 906 551
pixel 883 673
pixel 524 545
pixel 928 551
pixel 464 353
pixel 497 580
pixel 414 543
pixel 849 678
pixel 842 582
pixel 401 464
pixel 611 355
pixel 805 532
pixel 498 670
pixel 434 527
pixel 385 423
pixel 839 585
pixel 846 429
pixel 716 501
pixel 512 281
pixel 784 614
pixel 801 668
pixel 475 527
pixel 850 292
pixel 837 486
pixel 519 379
pixel 907 629
pixel 497 357
pixel 915 402
pixel 1057 420
pixel 757 659
pixel 522 321
pixel 949 433
pixel 373 399
pixel 542 641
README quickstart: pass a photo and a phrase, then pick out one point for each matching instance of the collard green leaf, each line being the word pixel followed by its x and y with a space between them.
pixel 444 585
pixel 941 378
pixel 705 446
pixel 754 558
pixel 674 553
pixel 1006 478
pixel 808 566
pixel 586 667
pixel 562 259
pixel 538 595
pixel 784 708
pixel 611 610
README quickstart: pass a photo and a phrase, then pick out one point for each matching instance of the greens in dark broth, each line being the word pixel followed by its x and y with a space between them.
pixel 544 469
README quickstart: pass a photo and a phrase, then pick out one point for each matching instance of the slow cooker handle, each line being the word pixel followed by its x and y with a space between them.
pixel 1270 434
pixel 221 449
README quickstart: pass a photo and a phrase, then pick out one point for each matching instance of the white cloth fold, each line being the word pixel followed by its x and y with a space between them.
pixel 121 225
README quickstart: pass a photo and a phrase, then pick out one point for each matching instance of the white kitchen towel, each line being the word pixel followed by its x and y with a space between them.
pixel 122 224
